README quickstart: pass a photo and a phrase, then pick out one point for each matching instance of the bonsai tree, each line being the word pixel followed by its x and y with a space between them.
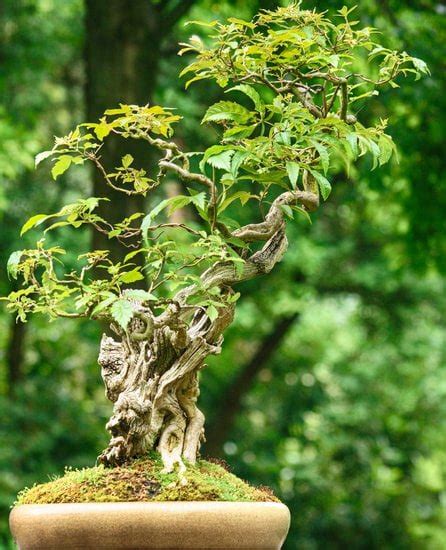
pixel 295 82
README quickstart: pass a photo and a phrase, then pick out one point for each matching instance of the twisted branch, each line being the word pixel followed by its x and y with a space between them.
pixel 275 217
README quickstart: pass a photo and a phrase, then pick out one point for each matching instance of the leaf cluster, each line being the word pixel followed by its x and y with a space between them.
pixel 295 81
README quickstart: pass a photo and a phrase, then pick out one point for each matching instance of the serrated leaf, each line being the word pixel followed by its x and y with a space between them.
pixel 323 154
pixel 199 199
pixel 292 169
pixel 324 184
pixel 352 140
pixel 222 160
pixel 244 197
pixel 241 22
pixel 61 166
pixel 239 132
pixel 420 65
pixel 227 110
pixel 237 161
pixel 133 253
pixel 212 151
pixel 375 150
pixel 252 93
pixel 104 304
pixel 13 262
pixel 386 147
pixel 177 202
pixel 122 312
pixel 334 60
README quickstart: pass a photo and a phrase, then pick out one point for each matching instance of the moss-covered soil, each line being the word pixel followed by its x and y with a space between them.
pixel 143 480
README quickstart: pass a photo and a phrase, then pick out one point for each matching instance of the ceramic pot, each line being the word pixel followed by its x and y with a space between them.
pixel 139 525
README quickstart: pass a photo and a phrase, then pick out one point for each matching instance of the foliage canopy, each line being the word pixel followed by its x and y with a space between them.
pixel 294 79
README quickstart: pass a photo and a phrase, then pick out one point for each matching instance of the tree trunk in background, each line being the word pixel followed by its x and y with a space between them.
pixel 231 400
pixel 122 52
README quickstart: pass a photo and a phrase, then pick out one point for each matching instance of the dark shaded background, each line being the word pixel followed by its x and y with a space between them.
pixel 339 403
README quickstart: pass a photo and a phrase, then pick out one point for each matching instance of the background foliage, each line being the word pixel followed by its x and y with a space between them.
pixel 339 401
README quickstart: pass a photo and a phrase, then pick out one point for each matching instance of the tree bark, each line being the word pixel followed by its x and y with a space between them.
pixel 151 376
pixel 122 55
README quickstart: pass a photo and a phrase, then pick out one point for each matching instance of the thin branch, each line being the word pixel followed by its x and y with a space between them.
pixel 344 100
pixel 108 181
pixel 186 175
pixel 306 102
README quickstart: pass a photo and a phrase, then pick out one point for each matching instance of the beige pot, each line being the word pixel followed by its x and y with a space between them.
pixel 139 525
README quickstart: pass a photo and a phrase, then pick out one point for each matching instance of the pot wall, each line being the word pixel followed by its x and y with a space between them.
pixel 140 525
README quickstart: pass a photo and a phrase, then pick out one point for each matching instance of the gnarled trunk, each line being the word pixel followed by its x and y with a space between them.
pixel 151 372
pixel 151 376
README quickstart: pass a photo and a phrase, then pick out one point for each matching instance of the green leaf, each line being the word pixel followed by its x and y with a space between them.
pixel 140 295
pixel 227 110
pixel 240 243
pixel 212 312
pixel 286 208
pixel 127 160
pixel 131 276
pixel 334 60
pixel 13 262
pixel 292 169
pixel 32 222
pixel 177 202
pixel 42 156
pixel 324 184
pixel 323 154
pixel 199 199
pixel 102 129
pixel 252 94
pixel 214 151
pixel 239 132
pixel 237 161
pixel 386 147
pixel 234 297
pixel 104 304
pixel 244 197
pixel 222 160
pixel 375 150
pixel 61 166
pixel 420 65
pixel 241 22
pixel 134 253
pixel 122 312
pixel 352 140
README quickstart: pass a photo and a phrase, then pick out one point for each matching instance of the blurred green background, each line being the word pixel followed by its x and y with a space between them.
pixel 339 404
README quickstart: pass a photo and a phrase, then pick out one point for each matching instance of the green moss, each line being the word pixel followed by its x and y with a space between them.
pixel 143 480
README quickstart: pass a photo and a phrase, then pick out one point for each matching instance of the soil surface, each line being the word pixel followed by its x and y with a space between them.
pixel 143 480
